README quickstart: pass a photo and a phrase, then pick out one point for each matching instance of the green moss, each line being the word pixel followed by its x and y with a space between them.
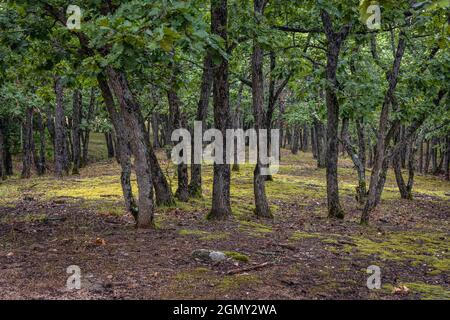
pixel 429 292
pixel 204 235
pixel 206 284
pixel 231 283
pixel 254 228
pixel 299 235
pixel 237 256
pixel 418 248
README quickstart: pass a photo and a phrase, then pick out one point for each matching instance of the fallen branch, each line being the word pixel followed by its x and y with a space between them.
pixel 259 266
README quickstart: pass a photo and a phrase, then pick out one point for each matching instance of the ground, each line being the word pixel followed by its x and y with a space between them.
pixel 47 225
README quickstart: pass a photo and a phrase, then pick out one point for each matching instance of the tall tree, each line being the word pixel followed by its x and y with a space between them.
pixel 221 205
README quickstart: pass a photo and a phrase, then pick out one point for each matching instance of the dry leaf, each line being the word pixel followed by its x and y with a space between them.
pixel 400 290
pixel 100 241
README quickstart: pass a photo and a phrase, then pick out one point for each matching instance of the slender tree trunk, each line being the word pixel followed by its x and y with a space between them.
pixel 195 187
pixel 221 205
pixel 378 178
pixel 155 130
pixel 427 157
pixel 109 144
pixel 358 157
pixel 313 142
pixel 259 188
pixel 76 130
pixel 295 140
pixel 335 41
pixel 320 143
pixel 131 113
pixel 87 131
pixel 61 151
pixel 123 148
pixel 182 192
pixel 27 143
pixel 305 143
pixel 237 124
pixel 434 156
pixel 39 160
pixel 421 155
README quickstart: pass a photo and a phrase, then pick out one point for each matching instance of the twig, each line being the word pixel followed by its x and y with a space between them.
pixel 259 266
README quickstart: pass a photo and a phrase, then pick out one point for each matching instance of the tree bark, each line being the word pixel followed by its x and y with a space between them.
pixel 259 188
pixel 335 41
pixel 109 144
pixel 195 187
pixel 155 130
pixel 295 139
pixel 87 131
pixel 76 130
pixel 221 206
pixel 378 178
pixel 61 151
pixel 123 148
pixel 27 143
pixel 320 142
pixel 39 160
pixel 131 113
pixel 182 192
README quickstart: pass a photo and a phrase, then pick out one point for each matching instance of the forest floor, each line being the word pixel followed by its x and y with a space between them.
pixel 47 225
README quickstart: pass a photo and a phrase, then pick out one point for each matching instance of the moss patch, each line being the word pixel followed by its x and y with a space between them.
pixel 237 256
pixel 419 248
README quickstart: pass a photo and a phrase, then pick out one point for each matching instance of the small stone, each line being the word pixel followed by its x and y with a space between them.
pixel 209 255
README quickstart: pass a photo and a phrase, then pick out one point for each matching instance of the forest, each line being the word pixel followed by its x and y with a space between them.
pixel 320 168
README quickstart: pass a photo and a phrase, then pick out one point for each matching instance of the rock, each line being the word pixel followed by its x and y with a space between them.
pixel 209 255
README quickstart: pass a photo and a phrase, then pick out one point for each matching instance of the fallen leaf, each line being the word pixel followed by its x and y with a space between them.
pixel 100 241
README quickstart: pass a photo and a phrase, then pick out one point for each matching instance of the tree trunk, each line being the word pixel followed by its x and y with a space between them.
pixel 259 188
pixel 313 142
pixel 434 155
pixel 39 160
pixel 61 151
pixel 182 192
pixel 109 144
pixel 27 143
pixel 123 148
pixel 358 157
pixel 377 177
pixel 131 113
pixel 237 124
pixel 421 155
pixel 195 187
pixel 305 143
pixel 335 41
pixel 155 130
pixel 76 130
pixel 427 157
pixel 295 140
pixel 221 206
pixel 87 131
pixel 320 143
